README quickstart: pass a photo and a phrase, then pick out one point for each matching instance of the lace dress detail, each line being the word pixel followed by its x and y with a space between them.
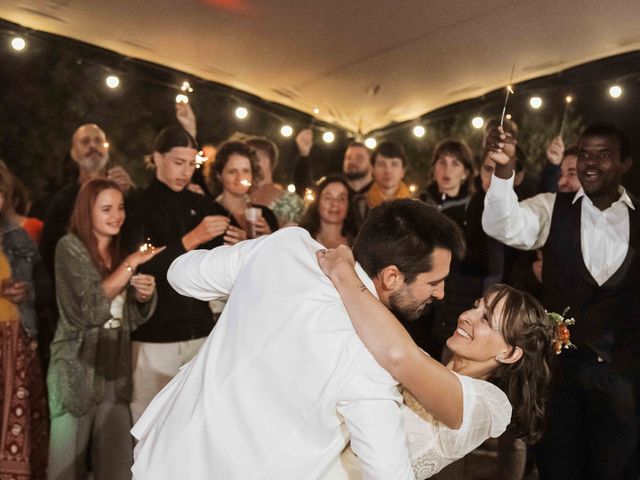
pixel 432 445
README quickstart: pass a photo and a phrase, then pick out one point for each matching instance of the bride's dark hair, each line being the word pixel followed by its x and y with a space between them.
pixel 524 324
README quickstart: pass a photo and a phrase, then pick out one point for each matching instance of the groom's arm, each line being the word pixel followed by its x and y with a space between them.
pixel 370 405
pixel 209 274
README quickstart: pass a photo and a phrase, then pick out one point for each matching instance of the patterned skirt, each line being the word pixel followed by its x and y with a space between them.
pixel 24 418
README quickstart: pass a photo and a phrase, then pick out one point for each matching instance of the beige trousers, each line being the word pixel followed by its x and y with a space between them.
pixel 154 365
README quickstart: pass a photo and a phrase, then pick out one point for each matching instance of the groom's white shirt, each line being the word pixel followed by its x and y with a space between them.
pixel 283 372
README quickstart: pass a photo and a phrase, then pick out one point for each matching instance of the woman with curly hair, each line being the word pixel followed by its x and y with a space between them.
pixel 234 173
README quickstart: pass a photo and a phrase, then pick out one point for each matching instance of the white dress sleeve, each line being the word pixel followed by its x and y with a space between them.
pixel 433 446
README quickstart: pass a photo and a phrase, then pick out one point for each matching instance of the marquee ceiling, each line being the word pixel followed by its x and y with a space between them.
pixel 363 64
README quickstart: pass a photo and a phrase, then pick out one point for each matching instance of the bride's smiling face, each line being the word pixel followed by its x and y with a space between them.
pixel 478 336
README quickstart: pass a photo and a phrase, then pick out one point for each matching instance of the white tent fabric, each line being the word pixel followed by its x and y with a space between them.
pixel 363 64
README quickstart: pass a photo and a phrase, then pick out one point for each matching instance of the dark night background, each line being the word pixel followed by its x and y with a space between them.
pixel 57 84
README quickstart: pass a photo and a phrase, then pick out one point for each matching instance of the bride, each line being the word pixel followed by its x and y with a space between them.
pixel 449 411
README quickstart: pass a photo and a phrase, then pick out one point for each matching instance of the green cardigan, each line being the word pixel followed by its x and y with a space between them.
pixel 74 386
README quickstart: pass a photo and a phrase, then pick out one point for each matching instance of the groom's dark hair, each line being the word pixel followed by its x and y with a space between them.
pixel 404 233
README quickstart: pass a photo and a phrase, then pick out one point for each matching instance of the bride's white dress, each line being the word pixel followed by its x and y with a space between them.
pixel 432 445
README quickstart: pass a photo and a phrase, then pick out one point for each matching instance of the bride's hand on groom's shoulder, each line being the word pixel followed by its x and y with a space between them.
pixel 336 261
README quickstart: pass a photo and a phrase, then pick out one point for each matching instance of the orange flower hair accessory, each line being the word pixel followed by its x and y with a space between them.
pixel 562 338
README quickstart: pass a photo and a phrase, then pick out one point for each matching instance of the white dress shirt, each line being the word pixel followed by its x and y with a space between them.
pixel 604 234
pixel 280 382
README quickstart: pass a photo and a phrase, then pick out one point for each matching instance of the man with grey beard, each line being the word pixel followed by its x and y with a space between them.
pixel 90 152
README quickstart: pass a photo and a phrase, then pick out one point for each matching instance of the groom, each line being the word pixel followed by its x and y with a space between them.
pixel 283 381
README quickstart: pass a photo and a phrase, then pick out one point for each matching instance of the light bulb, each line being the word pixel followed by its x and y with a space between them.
pixel 419 131
pixel 477 122
pixel 242 113
pixel 535 102
pixel 112 81
pixel 371 143
pixel 615 91
pixel 328 137
pixel 18 43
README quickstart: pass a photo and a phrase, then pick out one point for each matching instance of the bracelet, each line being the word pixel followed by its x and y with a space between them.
pixel 128 267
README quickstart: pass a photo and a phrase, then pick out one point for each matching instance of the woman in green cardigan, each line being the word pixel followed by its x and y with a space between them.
pixel 101 300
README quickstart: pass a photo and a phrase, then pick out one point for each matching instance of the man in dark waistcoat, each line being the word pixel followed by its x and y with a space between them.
pixel 590 241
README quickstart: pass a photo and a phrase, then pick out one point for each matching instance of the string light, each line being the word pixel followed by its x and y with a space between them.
pixel 291 188
pixel 112 81
pixel 535 102
pixel 371 143
pixel 105 144
pixel 615 91
pixel 477 122
pixel 18 44
pixel 328 137
pixel 242 113
pixel 413 188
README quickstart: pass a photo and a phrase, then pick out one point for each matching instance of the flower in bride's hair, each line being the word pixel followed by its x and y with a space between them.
pixel 562 335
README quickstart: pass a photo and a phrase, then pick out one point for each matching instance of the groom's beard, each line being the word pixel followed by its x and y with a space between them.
pixel 405 305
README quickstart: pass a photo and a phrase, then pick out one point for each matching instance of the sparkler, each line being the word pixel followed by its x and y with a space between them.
pixel 308 196
pixel 567 101
pixel 147 246
pixel 509 91
pixel 200 158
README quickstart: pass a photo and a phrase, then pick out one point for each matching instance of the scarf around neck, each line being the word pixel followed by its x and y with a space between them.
pixel 375 196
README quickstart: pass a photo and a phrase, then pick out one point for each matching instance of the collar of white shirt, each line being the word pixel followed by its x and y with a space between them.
pixel 624 197
pixel 364 278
